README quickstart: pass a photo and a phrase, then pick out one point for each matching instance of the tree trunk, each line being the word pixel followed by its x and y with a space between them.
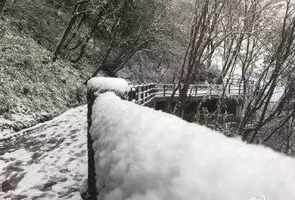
pixel 2 5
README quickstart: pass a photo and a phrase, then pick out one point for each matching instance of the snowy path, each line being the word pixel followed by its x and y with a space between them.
pixel 48 161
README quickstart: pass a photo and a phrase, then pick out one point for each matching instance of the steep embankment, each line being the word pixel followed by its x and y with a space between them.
pixel 32 88
pixel 42 20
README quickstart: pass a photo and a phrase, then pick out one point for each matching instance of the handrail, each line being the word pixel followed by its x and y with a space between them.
pixel 144 93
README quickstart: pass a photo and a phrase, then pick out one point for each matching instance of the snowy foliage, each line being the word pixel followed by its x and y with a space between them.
pixel 142 154
pixel 104 83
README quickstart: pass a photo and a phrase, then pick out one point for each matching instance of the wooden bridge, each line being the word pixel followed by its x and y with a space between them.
pixel 146 94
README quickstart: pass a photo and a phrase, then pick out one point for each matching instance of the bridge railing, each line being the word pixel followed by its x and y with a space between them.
pixel 193 90
pixel 145 93
pixel 236 87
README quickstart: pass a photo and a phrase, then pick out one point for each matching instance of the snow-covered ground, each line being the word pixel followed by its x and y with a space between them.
pixel 45 162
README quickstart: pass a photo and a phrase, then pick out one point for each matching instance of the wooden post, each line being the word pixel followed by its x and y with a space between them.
pixel 210 89
pixel 92 94
pixel 240 88
pixel 137 94
pixel 91 182
pixel 164 87
pixel 142 94
pixel 155 90
pixel 145 92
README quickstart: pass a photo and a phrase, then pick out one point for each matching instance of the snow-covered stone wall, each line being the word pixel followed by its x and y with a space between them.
pixel 142 154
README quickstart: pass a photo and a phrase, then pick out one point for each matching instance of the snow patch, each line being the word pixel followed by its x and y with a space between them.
pixel 278 93
pixel 105 83
pixel 49 160
pixel 142 154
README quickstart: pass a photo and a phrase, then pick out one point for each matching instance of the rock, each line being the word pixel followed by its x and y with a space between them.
pixel 6 186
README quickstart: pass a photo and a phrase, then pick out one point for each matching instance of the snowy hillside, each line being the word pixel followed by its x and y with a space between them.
pixel 48 161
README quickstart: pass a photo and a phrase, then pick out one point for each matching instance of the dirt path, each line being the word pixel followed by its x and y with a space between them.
pixel 47 161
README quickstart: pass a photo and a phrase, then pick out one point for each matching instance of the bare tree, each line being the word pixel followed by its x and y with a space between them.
pixel 118 29
pixel 78 16
pixel 280 60
pixel 203 31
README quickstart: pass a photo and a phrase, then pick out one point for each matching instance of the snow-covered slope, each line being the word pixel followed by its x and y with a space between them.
pixel 46 162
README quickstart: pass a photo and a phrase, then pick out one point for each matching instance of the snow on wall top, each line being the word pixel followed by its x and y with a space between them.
pixel 105 83
pixel 142 154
